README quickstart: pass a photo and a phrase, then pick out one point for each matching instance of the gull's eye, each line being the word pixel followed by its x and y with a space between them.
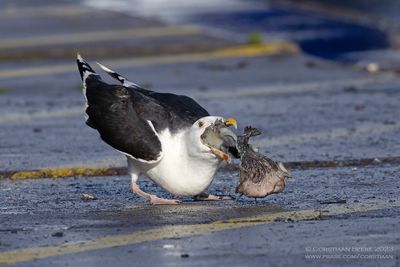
pixel 200 123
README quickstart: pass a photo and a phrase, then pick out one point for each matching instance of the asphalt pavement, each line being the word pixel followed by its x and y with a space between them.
pixel 335 124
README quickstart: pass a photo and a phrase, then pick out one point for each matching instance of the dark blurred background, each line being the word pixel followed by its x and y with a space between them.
pixel 324 28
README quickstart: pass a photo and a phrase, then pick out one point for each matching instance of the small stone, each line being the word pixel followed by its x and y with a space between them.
pixel 88 197
pixel 372 67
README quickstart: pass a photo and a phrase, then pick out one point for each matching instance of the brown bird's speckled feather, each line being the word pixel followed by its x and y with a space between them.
pixel 259 175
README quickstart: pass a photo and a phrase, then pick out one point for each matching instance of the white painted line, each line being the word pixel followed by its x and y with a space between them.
pixel 61 113
pixel 296 88
pixel 246 92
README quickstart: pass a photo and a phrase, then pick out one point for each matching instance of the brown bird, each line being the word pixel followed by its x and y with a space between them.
pixel 259 175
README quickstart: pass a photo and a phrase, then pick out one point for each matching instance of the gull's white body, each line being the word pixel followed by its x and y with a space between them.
pixel 186 167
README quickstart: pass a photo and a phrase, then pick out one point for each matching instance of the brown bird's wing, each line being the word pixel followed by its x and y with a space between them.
pixel 257 167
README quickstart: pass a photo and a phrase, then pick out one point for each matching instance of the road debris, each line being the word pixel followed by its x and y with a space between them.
pixel 333 201
pixel 88 197
pixel 57 234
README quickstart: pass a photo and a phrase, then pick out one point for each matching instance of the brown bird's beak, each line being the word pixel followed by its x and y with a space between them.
pixel 220 154
pixel 231 122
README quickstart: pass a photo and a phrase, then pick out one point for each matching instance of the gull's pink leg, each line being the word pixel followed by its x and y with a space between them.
pixel 154 200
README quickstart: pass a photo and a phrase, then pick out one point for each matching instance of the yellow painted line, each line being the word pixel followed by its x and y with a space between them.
pixel 97 36
pixel 62 172
pixel 42 11
pixel 180 231
pixel 230 52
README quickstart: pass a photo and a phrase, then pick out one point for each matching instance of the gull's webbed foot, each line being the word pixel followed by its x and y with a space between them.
pixel 209 197
pixel 155 200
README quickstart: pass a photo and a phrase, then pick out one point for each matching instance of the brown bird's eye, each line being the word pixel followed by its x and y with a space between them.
pixel 201 124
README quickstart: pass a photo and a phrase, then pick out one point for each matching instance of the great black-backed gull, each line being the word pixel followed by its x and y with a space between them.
pixel 169 138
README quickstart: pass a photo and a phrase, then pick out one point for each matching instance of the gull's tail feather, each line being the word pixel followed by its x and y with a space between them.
pixel 84 68
pixel 125 82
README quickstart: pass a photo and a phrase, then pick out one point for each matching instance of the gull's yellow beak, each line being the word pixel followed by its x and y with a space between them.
pixel 231 122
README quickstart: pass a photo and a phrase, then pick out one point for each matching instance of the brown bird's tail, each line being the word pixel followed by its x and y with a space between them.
pixel 283 169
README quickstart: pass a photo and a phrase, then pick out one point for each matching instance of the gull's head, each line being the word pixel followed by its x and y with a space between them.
pixel 212 137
